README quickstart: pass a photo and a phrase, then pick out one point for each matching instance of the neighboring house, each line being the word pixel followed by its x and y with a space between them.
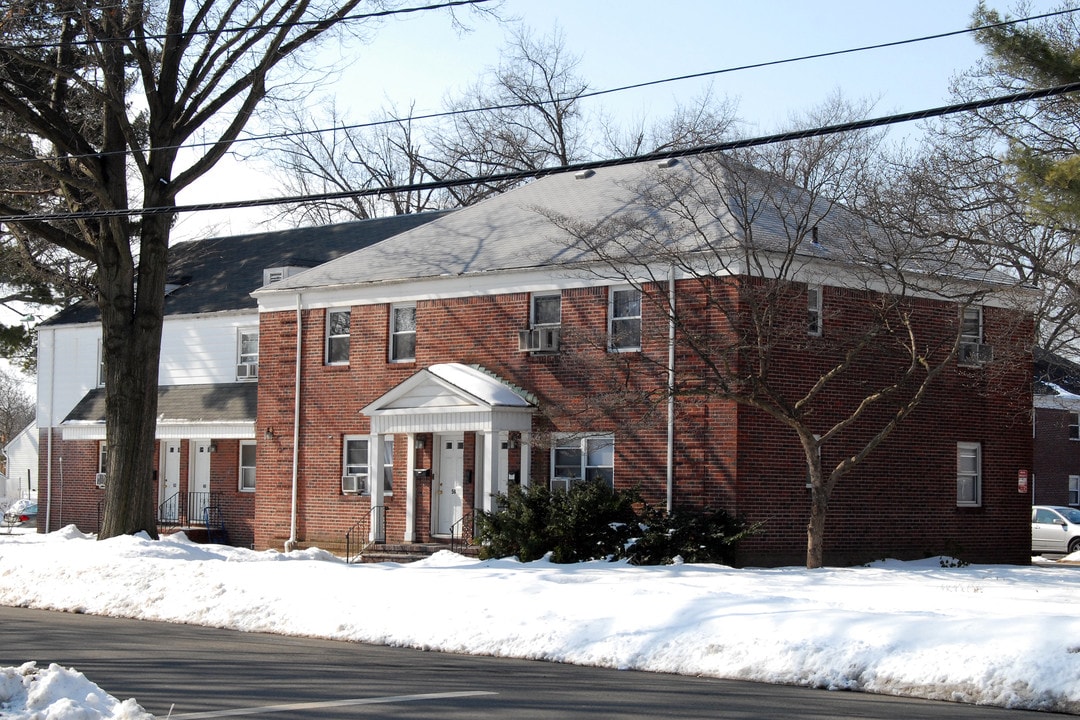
pixel 210 361
pixel 1056 471
pixel 22 463
pixel 404 386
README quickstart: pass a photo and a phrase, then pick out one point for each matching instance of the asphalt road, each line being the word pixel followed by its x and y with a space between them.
pixel 184 672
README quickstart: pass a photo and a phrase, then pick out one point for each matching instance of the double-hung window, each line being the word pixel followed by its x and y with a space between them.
pixel 247 354
pixel 971 325
pixel 355 465
pixel 546 310
pixel 1074 489
pixel 337 336
pixel 354 473
pixel 575 459
pixel 1074 426
pixel 247 466
pixel 968 474
pixel 624 312
pixel 402 333
pixel 813 309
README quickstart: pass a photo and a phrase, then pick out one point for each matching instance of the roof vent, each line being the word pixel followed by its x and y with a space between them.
pixel 273 275
pixel 584 174
pixel 668 162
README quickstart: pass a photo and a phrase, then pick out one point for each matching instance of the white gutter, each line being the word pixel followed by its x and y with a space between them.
pixel 291 543
pixel 49 424
pixel 671 391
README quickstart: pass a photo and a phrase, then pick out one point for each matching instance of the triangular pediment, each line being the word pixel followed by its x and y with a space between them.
pixel 450 387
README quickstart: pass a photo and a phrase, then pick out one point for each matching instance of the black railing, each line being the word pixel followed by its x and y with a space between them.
pixel 461 533
pixel 360 536
pixel 186 510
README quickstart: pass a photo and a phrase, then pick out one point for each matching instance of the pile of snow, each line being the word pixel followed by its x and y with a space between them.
pixel 28 693
pixel 998 635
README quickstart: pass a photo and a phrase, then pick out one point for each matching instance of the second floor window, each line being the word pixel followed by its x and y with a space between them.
pixel 1074 426
pixel 813 308
pixel 247 354
pixel 624 311
pixel 971 325
pixel 337 337
pixel 546 310
pixel 403 333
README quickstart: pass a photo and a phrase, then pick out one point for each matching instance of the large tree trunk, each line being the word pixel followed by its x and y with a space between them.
pixel 815 529
pixel 131 318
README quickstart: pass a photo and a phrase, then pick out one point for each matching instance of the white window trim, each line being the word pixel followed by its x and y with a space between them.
pixel 1074 422
pixel 978 476
pixel 568 440
pixel 329 337
pixel 966 337
pixel 100 364
pixel 532 309
pixel 814 305
pixel 394 333
pixel 611 319
pixel 345 440
pixel 240 470
pixel 240 355
pixel 1074 490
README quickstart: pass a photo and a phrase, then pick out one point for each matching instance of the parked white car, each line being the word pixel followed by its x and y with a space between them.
pixel 1055 529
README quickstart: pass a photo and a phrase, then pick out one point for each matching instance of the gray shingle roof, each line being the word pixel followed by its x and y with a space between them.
pixel 232 402
pixel 705 203
pixel 219 274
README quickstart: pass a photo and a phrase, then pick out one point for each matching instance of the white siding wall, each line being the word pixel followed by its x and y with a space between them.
pixel 194 350
pixel 22 454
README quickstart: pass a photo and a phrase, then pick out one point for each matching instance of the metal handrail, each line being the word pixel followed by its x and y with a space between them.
pixel 179 510
pixel 461 533
pixel 361 533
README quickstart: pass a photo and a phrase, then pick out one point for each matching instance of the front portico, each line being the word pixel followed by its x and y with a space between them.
pixel 448 401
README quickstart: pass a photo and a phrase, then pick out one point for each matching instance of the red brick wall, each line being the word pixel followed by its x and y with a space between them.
pixel 1056 457
pixel 76 500
pixel 901 502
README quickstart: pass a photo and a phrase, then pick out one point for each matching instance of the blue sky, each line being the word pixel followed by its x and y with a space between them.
pixel 420 58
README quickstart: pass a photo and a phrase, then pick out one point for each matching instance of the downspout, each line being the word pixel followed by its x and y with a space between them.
pixel 291 544
pixel 49 442
pixel 671 391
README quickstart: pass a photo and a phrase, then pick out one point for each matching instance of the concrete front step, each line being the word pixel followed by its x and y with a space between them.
pixel 409 552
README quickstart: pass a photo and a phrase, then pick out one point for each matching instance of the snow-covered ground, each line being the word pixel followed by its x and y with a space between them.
pixel 998 635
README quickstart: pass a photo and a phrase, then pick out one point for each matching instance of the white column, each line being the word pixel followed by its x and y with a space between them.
pixel 377 532
pixel 410 489
pixel 526 458
pixel 490 469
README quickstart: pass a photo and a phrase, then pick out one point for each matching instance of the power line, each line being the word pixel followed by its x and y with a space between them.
pixel 247 28
pixel 596 93
pixel 575 167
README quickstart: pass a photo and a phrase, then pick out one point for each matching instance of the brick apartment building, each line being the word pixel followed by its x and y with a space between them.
pixel 406 385
pixel 391 377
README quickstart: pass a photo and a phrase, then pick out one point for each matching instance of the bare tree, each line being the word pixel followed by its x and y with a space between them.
pixel 99 102
pixel 751 238
pixel 16 408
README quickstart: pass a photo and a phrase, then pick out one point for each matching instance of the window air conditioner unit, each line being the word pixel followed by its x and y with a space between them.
pixel 99 480
pixel 972 353
pixel 247 371
pixel 354 484
pixel 539 340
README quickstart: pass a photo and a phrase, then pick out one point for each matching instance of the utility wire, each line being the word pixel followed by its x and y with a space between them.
pixel 246 28
pixel 575 167
pixel 596 93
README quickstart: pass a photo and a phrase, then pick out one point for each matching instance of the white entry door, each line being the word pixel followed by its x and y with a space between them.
pixel 447 485
pixel 199 481
pixel 169 490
